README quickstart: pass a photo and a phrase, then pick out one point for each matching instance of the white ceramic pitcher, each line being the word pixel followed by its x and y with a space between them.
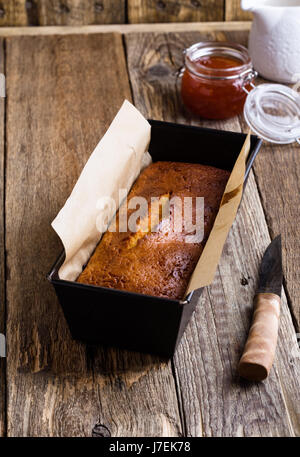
pixel 274 41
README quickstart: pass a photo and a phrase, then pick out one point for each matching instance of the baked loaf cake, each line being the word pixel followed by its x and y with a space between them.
pixel 157 262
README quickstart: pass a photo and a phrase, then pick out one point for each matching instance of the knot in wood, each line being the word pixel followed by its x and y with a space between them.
pixel 244 281
pixel 158 71
pixel 161 5
pixel 99 7
pixel 100 431
pixel 63 8
pixel 28 5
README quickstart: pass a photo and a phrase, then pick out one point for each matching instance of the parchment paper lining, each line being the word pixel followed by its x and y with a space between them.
pixel 115 163
pixel 205 269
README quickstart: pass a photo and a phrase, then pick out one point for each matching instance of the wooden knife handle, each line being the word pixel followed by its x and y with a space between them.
pixel 259 351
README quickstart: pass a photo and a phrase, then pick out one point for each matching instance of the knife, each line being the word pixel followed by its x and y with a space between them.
pixel 259 351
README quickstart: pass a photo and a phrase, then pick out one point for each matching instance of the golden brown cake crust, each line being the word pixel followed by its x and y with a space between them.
pixel 157 263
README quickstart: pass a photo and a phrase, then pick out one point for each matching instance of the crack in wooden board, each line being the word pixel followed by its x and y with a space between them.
pixel 214 401
pixel 63 91
pixel 2 250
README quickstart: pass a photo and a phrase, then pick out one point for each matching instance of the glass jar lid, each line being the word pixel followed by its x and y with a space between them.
pixel 238 53
pixel 272 111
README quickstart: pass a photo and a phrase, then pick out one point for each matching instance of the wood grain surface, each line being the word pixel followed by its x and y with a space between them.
pixel 234 12
pixel 57 12
pixel 77 12
pixel 214 402
pixel 277 172
pixel 175 11
pixel 2 249
pixel 13 13
pixel 125 28
pixel 62 94
pixel 83 12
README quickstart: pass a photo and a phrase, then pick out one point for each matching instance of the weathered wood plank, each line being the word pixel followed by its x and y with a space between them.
pixel 125 28
pixel 145 11
pixel 137 396
pixel 80 12
pixel 2 252
pixel 13 13
pixel 83 12
pixel 56 12
pixel 62 94
pixel 277 171
pixel 234 12
pixel 214 401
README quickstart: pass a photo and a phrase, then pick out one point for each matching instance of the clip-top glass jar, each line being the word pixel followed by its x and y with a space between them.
pixel 214 78
pixel 217 83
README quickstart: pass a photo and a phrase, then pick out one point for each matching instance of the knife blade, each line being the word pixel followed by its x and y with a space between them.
pixel 270 274
pixel 259 351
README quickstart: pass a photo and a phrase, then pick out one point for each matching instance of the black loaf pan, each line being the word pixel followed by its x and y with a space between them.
pixel 141 322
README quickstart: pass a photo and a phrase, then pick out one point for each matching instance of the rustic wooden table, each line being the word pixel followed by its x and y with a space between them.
pixel 64 86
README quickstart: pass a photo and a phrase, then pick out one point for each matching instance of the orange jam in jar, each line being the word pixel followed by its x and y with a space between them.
pixel 216 78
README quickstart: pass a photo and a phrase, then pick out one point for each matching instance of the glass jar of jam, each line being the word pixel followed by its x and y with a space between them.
pixel 214 79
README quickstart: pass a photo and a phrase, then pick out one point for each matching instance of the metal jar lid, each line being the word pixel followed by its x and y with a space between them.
pixel 272 111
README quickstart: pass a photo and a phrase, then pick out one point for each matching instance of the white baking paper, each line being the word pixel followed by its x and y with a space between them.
pixel 115 164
